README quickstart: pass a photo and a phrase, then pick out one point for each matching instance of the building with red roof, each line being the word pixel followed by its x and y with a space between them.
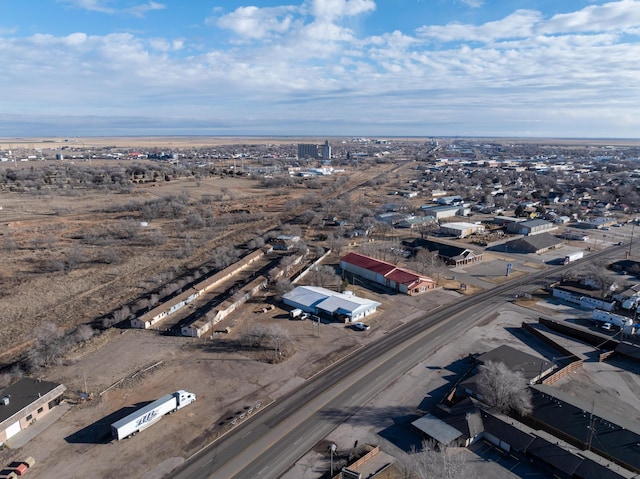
pixel 389 275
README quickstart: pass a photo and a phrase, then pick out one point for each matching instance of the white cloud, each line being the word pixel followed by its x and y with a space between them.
pixel 614 16
pixel 330 10
pixel 91 5
pixel 473 3
pixel 257 23
pixel 103 6
pixel 164 45
pixel 519 24
pixel 142 9
pixel 622 16
pixel 8 31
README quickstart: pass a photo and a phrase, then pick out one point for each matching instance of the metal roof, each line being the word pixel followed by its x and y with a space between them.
pixel 437 429
pixel 328 300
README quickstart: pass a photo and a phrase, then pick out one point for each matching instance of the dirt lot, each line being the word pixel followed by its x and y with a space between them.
pixel 227 380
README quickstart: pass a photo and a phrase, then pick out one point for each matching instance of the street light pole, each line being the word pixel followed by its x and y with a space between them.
pixel 332 449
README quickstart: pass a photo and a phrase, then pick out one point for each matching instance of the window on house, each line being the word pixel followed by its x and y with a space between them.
pixel 40 410
pixel 29 417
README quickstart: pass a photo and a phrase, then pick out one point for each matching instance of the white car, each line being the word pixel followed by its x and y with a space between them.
pixel 360 326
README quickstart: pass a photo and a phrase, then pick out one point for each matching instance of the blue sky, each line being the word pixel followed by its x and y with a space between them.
pixel 541 68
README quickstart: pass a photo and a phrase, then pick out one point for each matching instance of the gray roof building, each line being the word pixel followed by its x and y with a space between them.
pixel 530 227
pixel 532 244
pixel 313 299
pixel 24 402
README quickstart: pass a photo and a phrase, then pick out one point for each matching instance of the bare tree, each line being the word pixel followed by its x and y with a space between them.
pixel 119 315
pixel 282 286
pixel 504 389
pixel 37 241
pixel 272 338
pixel 337 242
pixel 255 243
pixel 127 229
pixel 110 256
pixel 223 256
pixel 323 276
pixel 437 460
pixel 48 345
pixel 75 256
pixel 84 332
pixel 280 342
pixel 256 336
pixel 157 238
pixel 9 244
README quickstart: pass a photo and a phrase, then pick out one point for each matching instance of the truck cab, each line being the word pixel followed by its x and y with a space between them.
pixel 184 398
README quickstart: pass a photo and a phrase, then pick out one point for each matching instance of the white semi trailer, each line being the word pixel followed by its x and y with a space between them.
pixel 150 414
pixel 573 257
pixel 616 319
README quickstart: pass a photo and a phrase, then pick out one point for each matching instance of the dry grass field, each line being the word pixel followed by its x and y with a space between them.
pixel 97 242
pixel 74 256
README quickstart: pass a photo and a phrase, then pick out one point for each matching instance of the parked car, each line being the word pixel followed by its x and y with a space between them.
pixel 360 326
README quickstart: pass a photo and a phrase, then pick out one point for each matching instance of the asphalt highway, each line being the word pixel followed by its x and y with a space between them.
pixel 268 443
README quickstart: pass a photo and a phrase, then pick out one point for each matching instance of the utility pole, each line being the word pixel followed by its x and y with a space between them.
pixel 332 449
pixel 590 427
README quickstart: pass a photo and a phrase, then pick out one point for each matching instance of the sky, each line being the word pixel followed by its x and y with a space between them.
pixel 516 68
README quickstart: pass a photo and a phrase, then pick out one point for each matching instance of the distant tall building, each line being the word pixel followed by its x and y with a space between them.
pixel 307 150
pixel 326 151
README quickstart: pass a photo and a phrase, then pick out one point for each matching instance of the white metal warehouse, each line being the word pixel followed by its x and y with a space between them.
pixel 316 300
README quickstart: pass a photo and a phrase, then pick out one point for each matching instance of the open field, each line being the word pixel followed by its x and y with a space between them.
pixel 116 260
pixel 147 142
pixel 200 141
